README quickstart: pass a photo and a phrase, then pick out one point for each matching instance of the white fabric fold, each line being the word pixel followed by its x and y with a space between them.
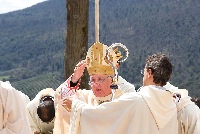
pixel 162 108
pixel 75 116
pixel 13 117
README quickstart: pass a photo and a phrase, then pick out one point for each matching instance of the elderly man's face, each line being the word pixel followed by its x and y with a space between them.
pixel 100 85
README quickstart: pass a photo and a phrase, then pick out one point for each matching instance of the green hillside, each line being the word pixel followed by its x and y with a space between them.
pixel 32 40
pixel 31 85
pixel 147 27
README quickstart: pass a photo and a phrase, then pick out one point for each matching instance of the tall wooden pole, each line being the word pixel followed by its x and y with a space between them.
pixel 97 20
pixel 76 37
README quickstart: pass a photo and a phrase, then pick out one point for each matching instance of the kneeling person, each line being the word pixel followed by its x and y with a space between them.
pixel 41 112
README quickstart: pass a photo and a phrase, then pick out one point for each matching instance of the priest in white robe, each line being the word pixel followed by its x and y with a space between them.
pixel 13 118
pixel 150 111
pixel 100 82
pixel 188 116
pixel 188 112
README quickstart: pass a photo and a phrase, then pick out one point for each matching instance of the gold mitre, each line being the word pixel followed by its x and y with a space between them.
pixel 97 63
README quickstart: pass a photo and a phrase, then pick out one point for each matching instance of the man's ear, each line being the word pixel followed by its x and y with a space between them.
pixel 149 73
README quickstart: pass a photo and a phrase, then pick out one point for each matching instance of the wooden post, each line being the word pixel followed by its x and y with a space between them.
pixel 76 37
pixel 97 20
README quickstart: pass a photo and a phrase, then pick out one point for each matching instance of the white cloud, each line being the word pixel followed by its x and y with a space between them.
pixel 12 5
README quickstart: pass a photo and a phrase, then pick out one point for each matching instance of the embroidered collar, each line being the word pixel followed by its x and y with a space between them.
pixel 101 100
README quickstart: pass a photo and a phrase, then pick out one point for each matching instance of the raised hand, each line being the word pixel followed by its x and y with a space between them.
pixel 78 71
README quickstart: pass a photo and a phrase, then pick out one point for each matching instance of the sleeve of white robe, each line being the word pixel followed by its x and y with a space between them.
pixel 190 118
pixel 62 116
pixel 31 112
pixel 197 127
pixel 61 123
pixel 194 119
pixel 13 118
pixel 125 86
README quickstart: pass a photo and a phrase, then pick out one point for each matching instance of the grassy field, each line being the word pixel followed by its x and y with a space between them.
pixel 32 86
pixel 4 77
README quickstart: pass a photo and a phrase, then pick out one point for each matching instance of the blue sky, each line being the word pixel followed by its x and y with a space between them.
pixel 13 5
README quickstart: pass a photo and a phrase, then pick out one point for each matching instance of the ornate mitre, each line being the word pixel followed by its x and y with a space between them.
pixel 100 63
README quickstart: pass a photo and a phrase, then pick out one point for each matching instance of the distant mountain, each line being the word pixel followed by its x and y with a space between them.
pixel 151 26
pixel 32 43
pixel 32 40
pixel 33 34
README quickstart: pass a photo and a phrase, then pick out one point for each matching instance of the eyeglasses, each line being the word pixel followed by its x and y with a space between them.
pixel 99 81
pixel 142 72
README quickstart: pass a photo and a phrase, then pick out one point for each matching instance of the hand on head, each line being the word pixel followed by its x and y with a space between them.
pixel 78 71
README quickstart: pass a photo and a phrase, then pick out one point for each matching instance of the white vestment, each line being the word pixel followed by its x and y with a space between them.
pixel 13 118
pixel 150 111
pixel 188 112
pixel 35 123
pixel 188 116
pixel 61 124
pixel 125 86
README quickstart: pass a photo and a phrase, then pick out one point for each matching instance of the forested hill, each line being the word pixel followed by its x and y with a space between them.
pixel 32 46
pixel 33 40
